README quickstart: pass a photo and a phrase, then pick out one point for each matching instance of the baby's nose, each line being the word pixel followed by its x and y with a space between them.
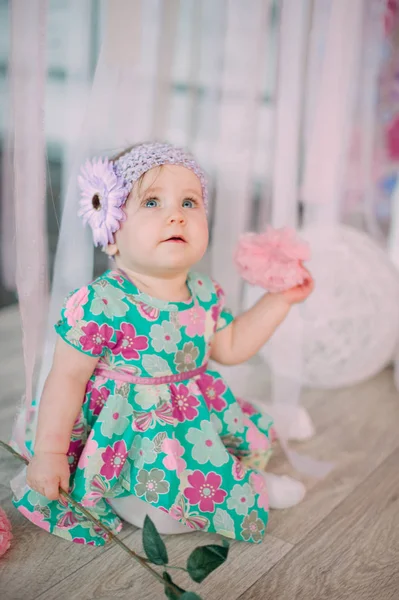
pixel 176 217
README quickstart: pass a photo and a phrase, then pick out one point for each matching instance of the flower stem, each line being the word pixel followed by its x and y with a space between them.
pixel 143 561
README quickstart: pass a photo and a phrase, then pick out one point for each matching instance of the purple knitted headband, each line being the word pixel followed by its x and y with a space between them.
pixel 105 185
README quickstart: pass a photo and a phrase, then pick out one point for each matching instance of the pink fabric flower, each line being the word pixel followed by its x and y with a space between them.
pixel 183 404
pixel 74 306
pixel 128 343
pixel 212 390
pixel 215 312
pixel 174 451
pixel 114 458
pixel 205 490
pixel 96 337
pixel 194 320
pixel 272 260
pixel 273 435
pixel 83 541
pixel 89 450
pixel 98 398
pixel 219 292
pixel 35 517
pixel 255 438
pixel 246 407
pixel 74 452
pixel 238 469
pixel 259 486
pixel 5 532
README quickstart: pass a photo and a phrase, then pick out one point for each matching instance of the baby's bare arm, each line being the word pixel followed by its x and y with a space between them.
pixel 248 332
pixel 60 404
pixel 62 397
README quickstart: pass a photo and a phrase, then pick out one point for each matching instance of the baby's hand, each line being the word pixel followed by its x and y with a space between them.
pixel 299 293
pixel 47 472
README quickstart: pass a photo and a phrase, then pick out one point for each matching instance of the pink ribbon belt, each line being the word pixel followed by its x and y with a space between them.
pixel 125 376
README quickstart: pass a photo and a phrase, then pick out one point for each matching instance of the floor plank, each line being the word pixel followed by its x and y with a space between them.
pixel 356 427
pixel 123 579
pixel 38 560
pixel 357 430
pixel 352 555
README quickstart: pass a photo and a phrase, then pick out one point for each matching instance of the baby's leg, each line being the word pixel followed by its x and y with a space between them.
pixel 283 491
pixel 294 422
pixel 133 510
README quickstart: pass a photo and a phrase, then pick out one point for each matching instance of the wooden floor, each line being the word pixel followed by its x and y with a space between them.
pixel 342 542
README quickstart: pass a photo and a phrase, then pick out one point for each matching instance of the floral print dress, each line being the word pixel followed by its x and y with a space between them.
pixel 155 422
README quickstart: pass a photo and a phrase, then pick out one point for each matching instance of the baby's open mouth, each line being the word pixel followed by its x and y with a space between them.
pixel 179 239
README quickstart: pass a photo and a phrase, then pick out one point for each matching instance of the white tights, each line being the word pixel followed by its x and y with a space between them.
pixel 283 492
pixel 133 510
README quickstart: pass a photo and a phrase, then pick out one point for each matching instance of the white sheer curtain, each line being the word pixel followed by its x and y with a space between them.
pixel 248 86
pixel 27 148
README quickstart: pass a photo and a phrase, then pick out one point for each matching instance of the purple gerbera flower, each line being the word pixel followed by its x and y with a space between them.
pixel 103 194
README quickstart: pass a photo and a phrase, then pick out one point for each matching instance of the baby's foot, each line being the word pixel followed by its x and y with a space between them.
pixel 299 426
pixel 283 491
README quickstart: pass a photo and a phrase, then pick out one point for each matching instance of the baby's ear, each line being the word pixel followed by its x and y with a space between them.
pixel 110 249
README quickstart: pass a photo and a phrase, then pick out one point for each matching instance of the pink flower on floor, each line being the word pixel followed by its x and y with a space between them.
pixel 89 450
pixel 212 390
pixel 205 491
pixel 98 398
pixel 5 533
pixel 174 451
pixel 194 320
pixel 255 438
pixel 96 337
pixel 114 458
pixel 74 306
pixel 183 403
pixel 246 407
pixel 128 343
pixel 35 517
pixel 259 486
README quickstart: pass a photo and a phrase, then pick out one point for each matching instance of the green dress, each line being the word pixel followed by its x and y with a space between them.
pixel 155 422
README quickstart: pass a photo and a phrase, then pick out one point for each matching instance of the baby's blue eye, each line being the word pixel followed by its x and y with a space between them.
pixel 151 203
pixel 188 203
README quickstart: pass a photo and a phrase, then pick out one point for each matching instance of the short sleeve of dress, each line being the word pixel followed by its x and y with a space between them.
pixel 82 324
pixel 224 314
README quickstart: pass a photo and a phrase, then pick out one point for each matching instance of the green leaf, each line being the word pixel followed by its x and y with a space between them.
pixel 190 596
pixel 204 560
pixel 153 544
pixel 171 594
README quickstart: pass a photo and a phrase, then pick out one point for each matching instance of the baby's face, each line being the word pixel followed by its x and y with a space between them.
pixel 166 229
